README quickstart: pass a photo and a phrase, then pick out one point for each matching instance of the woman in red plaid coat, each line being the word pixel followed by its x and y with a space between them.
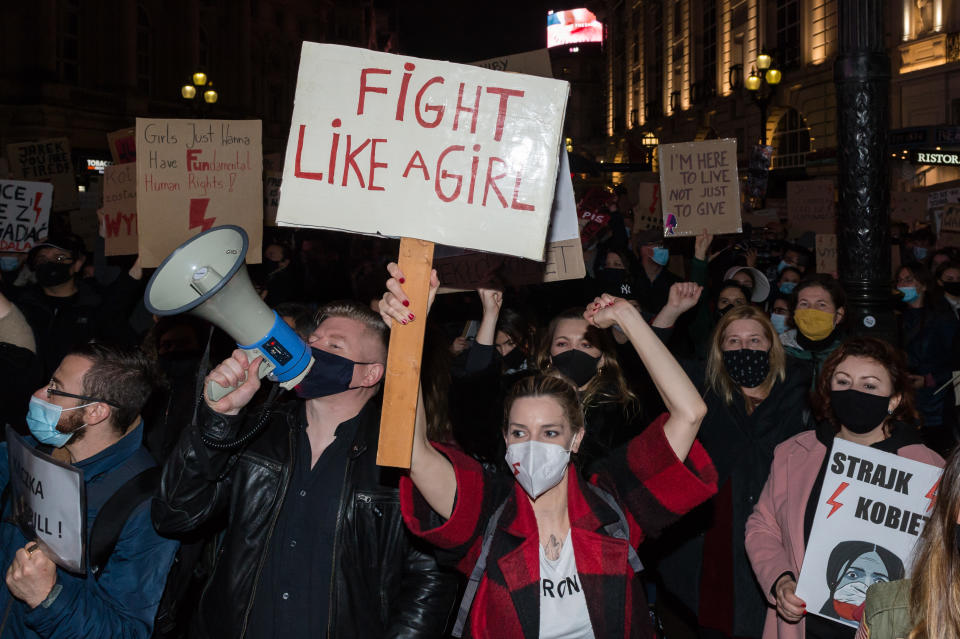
pixel 553 568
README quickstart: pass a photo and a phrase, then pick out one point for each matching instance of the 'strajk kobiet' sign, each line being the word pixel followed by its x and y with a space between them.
pixel 397 146
pixel 24 214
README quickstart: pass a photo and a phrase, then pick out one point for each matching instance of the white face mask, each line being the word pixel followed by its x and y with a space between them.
pixel 852 593
pixel 538 466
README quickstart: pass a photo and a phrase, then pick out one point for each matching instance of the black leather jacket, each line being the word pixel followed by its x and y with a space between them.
pixel 385 583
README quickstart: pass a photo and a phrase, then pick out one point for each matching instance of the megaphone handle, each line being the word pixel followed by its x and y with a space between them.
pixel 216 392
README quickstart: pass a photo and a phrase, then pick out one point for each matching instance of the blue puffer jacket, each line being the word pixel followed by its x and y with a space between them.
pixel 123 602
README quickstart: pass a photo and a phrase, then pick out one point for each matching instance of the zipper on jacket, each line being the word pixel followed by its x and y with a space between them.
pixel 273 522
pixel 336 536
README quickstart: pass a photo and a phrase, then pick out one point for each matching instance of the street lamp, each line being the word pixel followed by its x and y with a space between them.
pixel 762 88
pixel 201 85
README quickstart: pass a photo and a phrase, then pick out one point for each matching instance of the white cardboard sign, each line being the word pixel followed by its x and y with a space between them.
pixel 398 146
pixel 49 503
pixel 24 214
pixel 871 510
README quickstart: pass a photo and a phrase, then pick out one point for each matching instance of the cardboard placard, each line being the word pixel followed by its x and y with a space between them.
pixel 648 212
pixel 24 214
pixel 271 196
pixel 392 145
pixel 49 503
pixel 759 218
pixel 950 218
pixel 909 207
pixel 700 188
pixel 118 218
pixel 827 253
pixel 871 510
pixel 535 62
pixel 193 175
pixel 811 206
pixel 46 161
pixel 123 145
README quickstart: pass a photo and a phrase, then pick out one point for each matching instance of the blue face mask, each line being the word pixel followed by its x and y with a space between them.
pixel 909 293
pixel 661 256
pixel 42 420
pixel 9 263
pixel 782 265
pixel 787 287
pixel 779 322
pixel 920 252
pixel 330 374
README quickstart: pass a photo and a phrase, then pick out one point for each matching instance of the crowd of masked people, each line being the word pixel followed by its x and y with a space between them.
pixel 638 453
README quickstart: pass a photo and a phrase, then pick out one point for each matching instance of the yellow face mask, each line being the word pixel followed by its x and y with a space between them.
pixel 814 324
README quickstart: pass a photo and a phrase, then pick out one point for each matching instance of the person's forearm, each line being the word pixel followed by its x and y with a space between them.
pixel 487 331
pixel 430 471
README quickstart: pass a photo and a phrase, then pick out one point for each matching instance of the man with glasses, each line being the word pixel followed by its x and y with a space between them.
pixel 88 416
pixel 64 310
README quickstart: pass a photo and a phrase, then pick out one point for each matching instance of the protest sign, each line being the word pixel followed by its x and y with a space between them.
pixel 123 145
pixel 448 153
pixel 535 62
pixel 193 175
pixel 811 206
pixel 700 187
pixel 870 512
pixel 49 503
pixel 118 221
pixel 271 197
pixel 24 214
pixel 950 218
pixel 46 161
pixel 908 207
pixel 826 253
pixel 648 213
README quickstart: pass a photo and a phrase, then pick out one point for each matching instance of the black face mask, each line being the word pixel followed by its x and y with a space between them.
pixel 859 412
pixel 576 365
pixel 953 288
pixel 513 359
pixel 270 266
pixel 720 312
pixel 329 375
pixel 747 368
pixel 52 273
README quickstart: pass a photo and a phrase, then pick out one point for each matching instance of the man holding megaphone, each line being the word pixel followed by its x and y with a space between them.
pixel 315 544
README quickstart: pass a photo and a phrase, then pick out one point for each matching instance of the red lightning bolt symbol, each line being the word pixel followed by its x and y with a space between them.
pixel 836 504
pixel 932 495
pixel 36 207
pixel 198 208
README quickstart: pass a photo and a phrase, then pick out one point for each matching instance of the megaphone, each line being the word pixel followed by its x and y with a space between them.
pixel 206 276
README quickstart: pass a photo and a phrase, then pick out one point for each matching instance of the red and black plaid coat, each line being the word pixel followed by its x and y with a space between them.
pixel 653 487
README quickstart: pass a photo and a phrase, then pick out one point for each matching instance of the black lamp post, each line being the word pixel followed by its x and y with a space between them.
pixel 762 88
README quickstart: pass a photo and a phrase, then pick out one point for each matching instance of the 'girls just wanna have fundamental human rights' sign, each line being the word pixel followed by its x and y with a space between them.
pixel 398 146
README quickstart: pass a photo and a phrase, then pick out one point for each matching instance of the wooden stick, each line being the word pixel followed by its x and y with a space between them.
pixel 402 378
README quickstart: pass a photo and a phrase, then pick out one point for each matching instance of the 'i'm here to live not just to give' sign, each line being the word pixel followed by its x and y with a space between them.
pixel 399 146
pixel 700 188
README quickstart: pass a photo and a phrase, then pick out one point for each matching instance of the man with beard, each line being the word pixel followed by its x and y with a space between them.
pixel 64 310
pixel 88 416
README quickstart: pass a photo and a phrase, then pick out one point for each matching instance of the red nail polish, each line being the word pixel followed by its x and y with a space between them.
pixel 406 302
pixel 411 317
pixel 404 322
pixel 402 280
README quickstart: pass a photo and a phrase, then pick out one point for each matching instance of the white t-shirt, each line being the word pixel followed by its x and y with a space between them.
pixel 563 606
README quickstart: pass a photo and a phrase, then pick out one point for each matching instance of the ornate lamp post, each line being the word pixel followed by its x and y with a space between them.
pixel 762 88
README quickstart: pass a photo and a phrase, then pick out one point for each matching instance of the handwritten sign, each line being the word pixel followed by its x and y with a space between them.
pixel 193 175
pixel 46 161
pixel 908 207
pixel 871 510
pixel 123 145
pixel 535 62
pixel 271 196
pixel 118 220
pixel 811 206
pixel 950 218
pixel 648 213
pixel 399 146
pixel 49 502
pixel 699 187
pixel 24 214
pixel 826 253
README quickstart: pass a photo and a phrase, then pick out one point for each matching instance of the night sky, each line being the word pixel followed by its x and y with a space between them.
pixel 467 31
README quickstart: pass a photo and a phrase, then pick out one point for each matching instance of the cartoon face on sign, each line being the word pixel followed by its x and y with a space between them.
pixel 853 567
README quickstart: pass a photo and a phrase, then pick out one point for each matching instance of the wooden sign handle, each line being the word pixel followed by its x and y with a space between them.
pixel 402 379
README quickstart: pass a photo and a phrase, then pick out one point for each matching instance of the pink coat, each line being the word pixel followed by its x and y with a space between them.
pixel 775 529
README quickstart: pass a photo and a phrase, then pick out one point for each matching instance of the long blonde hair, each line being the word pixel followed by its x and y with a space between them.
pixel 935 581
pixel 718 379
pixel 608 386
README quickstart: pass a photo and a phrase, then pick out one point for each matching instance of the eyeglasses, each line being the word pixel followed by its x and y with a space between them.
pixel 61 258
pixel 54 391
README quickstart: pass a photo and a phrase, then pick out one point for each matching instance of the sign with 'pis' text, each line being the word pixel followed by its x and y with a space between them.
pixel 118 217
pixel 870 512
pixel 24 214
pixel 453 154
pixel 699 188
pixel 46 161
pixel 193 175
pixel 49 503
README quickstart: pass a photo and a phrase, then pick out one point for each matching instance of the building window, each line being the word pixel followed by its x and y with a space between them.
pixel 68 42
pixel 144 48
pixel 788 33
pixel 791 141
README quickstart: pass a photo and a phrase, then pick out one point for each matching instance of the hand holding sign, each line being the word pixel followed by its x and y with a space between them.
pixel 789 605
pixel 31 576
